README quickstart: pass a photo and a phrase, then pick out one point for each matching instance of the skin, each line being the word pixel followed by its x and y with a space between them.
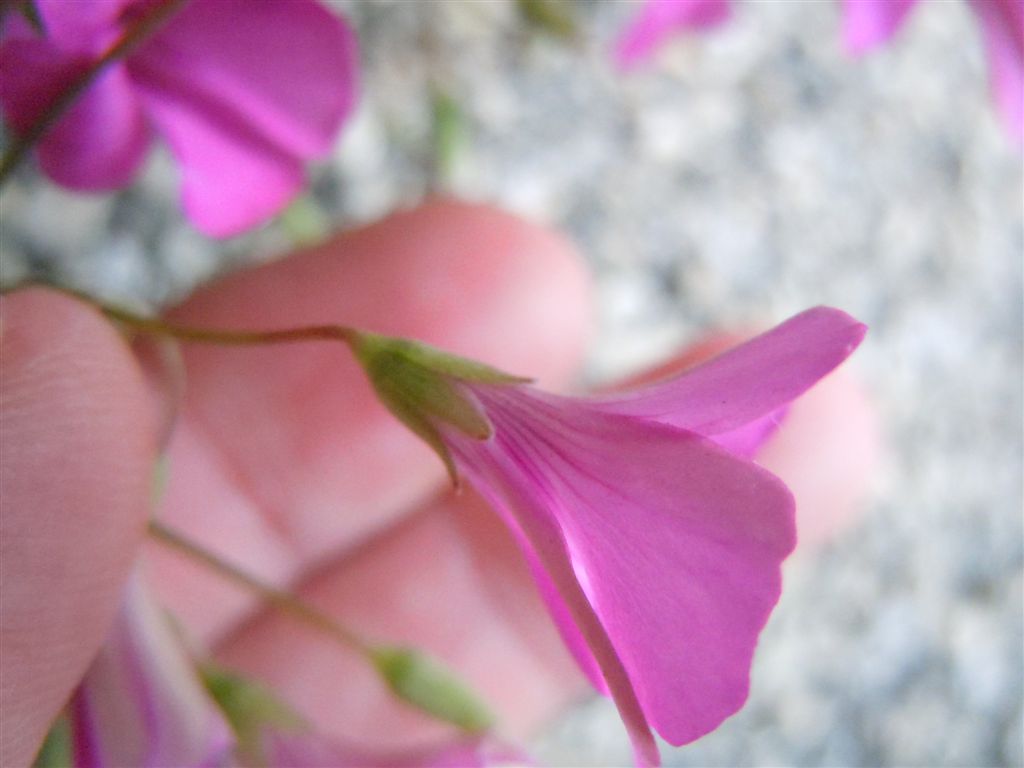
pixel 282 462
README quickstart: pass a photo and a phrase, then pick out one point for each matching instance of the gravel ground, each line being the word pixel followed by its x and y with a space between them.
pixel 747 175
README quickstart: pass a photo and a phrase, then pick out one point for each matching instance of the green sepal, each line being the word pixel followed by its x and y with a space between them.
pixel 428 685
pixel 249 708
pixel 371 345
pixel 56 750
pixel 305 221
pixel 420 386
pixel 448 131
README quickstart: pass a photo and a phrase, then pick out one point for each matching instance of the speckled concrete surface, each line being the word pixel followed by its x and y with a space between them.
pixel 747 175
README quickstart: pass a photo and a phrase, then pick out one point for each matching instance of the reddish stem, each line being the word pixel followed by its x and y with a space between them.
pixel 136 34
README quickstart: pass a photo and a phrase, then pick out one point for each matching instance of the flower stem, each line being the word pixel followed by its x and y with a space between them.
pixel 284 601
pixel 157 327
pixel 412 676
pixel 135 35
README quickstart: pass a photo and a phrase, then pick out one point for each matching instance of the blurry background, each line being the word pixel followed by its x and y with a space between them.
pixel 744 175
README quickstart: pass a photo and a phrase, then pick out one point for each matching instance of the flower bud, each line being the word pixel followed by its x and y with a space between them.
pixel 422 387
pixel 428 685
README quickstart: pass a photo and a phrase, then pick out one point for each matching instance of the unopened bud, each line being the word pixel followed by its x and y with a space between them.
pixel 428 685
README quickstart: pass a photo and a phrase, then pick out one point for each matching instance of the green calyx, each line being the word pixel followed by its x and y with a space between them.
pixel 249 708
pixel 428 685
pixel 421 386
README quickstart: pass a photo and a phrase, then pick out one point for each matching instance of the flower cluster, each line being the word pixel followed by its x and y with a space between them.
pixel 242 92
pixel 866 24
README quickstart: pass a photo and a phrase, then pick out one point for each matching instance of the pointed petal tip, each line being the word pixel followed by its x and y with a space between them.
pixel 841 321
pixel 857 46
pixel 869 24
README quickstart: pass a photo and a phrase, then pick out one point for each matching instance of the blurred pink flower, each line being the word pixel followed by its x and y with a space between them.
pixel 866 24
pixel 1002 30
pixel 655 542
pixel 243 93
pixel 869 23
pixel 142 703
pixel 659 20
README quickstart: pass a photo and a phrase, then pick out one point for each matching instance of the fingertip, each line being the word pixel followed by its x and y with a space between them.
pixel 77 437
pixel 827 451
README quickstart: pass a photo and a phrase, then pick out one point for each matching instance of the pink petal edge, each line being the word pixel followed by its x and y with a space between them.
pixel 243 93
pixel 1002 28
pixel 141 702
pixel 100 142
pixel 658 20
pixel 868 24
pixel 286 68
pixel 748 383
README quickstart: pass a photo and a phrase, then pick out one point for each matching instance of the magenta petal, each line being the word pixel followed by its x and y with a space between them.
pixel 675 543
pixel 141 702
pixel 285 68
pixel 747 440
pixel 659 20
pixel 507 480
pixel 560 612
pixel 749 382
pixel 35 72
pixel 1002 27
pixel 657 550
pixel 83 25
pixel 869 23
pixel 100 141
pixel 243 92
pixel 231 178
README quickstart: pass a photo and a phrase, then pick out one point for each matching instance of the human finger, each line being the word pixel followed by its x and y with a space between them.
pixel 77 446
pixel 283 455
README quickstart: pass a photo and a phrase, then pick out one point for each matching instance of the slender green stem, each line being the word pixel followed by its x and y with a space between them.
pixel 214 336
pixel 413 677
pixel 135 35
pixel 157 327
pixel 284 601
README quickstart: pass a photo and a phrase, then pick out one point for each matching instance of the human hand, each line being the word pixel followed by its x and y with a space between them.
pixel 282 461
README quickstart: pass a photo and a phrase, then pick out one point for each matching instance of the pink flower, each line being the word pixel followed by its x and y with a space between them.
pixel 659 20
pixel 655 542
pixel 869 23
pixel 1002 30
pixel 866 24
pixel 243 93
pixel 141 703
